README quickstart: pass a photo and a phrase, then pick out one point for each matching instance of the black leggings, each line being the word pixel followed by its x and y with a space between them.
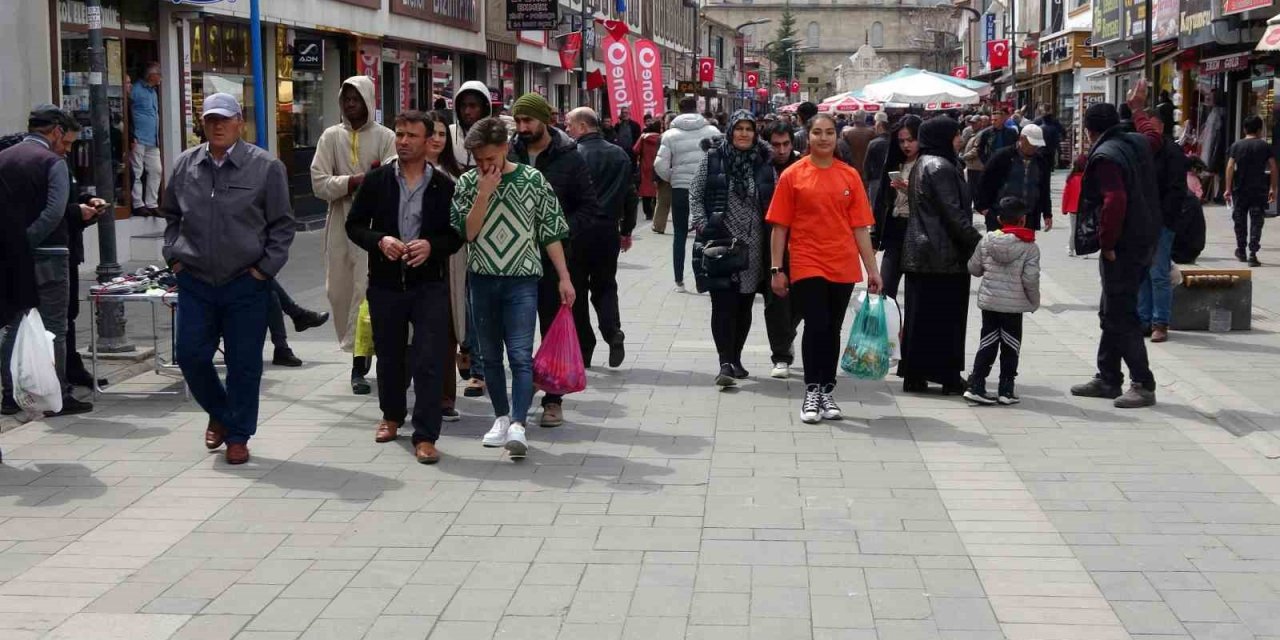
pixel 648 203
pixel 730 323
pixel 822 304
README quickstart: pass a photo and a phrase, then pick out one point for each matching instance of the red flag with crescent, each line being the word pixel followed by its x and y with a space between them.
pixel 795 86
pixel 753 79
pixel 998 53
pixel 616 28
pixel 570 49
pixel 707 69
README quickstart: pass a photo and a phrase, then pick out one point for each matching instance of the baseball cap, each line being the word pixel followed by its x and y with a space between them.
pixel 220 104
pixel 43 115
pixel 1034 134
pixel 882 117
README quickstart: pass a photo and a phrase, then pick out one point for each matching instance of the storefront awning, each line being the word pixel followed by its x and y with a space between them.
pixel 1271 39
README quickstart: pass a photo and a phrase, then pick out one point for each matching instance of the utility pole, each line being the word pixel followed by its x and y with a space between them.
pixel 1148 71
pixel 582 51
pixel 111 322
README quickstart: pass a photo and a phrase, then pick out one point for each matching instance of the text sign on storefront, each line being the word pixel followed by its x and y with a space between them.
pixel 1230 7
pixel 459 13
pixel 1108 16
pixel 308 54
pixel 533 15
pixel 1195 23
pixel 1224 64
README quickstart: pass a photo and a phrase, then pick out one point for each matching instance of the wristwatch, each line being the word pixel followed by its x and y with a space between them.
pixel 775 270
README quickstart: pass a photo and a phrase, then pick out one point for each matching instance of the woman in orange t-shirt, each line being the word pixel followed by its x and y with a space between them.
pixel 820 215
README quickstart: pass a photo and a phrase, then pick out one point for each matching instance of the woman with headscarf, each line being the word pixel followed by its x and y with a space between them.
pixel 728 199
pixel 891 206
pixel 822 220
pixel 935 252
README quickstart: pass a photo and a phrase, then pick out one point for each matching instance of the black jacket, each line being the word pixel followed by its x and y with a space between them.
pixel 992 140
pixel 940 236
pixel 611 175
pixel 76 223
pixel 873 167
pixel 995 176
pixel 1131 153
pixel 375 213
pixel 563 166
pixel 1171 184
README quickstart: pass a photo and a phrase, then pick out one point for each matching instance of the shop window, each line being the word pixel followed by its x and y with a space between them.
pixel 814 35
pixel 220 64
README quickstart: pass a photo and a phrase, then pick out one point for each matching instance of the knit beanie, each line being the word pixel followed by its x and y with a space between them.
pixel 1100 117
pixel 533 105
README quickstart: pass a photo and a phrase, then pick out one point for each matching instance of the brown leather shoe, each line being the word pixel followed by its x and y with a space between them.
pixel 1160 333
pixel 386 431
pixel 214 434
pixel 237 453
pixel 426 453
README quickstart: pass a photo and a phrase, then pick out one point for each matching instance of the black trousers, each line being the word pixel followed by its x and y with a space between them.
pixel 1248 214
pixel 425 307
pixel 1121 328
pixel 891 268
pixel 1002 335
pixel 279 306
pixel 648 204
pixel 973 176
pixel 75 364
pixel 781 321
pixel 821 304
pixel 730 323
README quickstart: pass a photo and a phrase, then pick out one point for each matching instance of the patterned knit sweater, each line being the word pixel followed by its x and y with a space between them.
pixel 523 216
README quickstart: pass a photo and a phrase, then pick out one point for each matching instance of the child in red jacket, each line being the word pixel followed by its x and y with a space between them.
pixel 1071 198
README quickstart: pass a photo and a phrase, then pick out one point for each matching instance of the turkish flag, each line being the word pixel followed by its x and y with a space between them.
pixel 782 84
pixel 960 72
pixel 570 49
pixel 707 69
pixel 998 53
pixel 753 79
pixel 595 80
pixel 795 86
pixel 615 28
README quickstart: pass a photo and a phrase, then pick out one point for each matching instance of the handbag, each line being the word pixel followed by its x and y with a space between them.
pixel 1085 240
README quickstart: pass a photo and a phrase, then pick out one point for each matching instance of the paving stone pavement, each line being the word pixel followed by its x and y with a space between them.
pixel 665 510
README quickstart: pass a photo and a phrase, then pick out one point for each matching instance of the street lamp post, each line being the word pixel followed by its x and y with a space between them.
pixel 792 50
pixel 742 51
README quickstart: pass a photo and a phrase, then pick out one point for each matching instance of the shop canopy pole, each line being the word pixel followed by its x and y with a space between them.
pixel 259 92
pixel 111 334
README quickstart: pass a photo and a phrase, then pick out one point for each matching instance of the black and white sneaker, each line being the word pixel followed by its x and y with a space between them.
pixel 811 410
pixel 1007 395
pixel 977 393
pixel 830 410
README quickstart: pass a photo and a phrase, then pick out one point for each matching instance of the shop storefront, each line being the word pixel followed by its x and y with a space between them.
pixel 1066 63
pixel 220 63
pixel 309 72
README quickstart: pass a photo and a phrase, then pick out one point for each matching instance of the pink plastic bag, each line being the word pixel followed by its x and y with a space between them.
pixel 558 367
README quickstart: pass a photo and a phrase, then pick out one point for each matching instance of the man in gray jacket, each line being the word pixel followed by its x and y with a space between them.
pixel 1008 261
pixel 229 229
pixel 679 155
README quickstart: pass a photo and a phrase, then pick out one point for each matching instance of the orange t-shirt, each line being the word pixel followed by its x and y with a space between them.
pixel 821 207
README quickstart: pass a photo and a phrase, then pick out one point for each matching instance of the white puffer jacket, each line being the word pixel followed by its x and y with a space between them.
pixel 1010 271
pixel 680 153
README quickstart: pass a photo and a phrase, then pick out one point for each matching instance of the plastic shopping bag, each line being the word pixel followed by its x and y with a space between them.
pixel 867 355
pixel 558 367
pixel 35 377
pixel 364 332
pixel 892 322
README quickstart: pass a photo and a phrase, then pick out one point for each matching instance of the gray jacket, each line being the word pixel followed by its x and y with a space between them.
pixel 222 221
pixel 680 153
pixel 1010 271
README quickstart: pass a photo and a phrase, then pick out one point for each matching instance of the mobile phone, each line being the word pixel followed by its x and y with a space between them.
pixel 895 175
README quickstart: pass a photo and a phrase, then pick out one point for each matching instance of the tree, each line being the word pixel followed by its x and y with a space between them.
pixel 785 38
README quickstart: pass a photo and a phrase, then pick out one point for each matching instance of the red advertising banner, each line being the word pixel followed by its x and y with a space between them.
pixel 620 76
pixel 570 49
pixel 753 79
pixel 406 87
pixel 648 73
pixel 707 69
pixel 960 72
pixel 998 53
pixel 1230 7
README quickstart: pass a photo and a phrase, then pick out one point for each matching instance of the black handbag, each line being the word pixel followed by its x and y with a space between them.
pixel 1086 231
pixel 723 258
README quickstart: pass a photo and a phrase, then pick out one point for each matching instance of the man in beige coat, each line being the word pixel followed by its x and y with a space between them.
pixel 345 152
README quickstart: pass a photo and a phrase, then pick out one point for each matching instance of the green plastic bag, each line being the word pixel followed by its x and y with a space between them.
pixel 867 355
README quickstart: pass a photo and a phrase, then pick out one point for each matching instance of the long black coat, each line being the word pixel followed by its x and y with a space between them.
pixel 940 234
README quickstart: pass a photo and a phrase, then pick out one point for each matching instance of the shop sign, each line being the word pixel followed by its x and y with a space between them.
pixel 1164 20
pixel 1135 19
pixel 308 54
pixel 1224 64
pixel 686 86
pixel 1090 99
pixel 533 15
pixel 1055 50
pixel 1195 23
pixel 1230 7
pixel 457 13
pixel 1270 40
pixel 1108 19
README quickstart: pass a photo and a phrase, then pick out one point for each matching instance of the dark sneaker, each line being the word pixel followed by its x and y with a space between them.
pixel 449 414
pixel 285 358
pixel 83 379
pixel 725 378
pixel 308 319
pixel 617 352
pixel 811 408
pixel 915 385
pixel 1253 260
pixel 1136 397
pixel 977 393
pixel 71 407
pixel 1007 396
pixel 740 372
pixel 9 407
pixel 360 386
pixel 1096 388
pixel 830 410
pixel 1240 255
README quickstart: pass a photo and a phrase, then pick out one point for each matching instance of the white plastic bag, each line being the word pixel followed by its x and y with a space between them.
pixel 35 377
pixel 893 323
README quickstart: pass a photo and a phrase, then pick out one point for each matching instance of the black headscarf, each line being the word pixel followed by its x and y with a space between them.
pixel 740 167
pixel 937 138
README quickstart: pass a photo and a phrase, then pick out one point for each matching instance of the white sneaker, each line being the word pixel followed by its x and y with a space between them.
pixel 516 444
pixel 811 409
pixel 781 371
pixel 497 436
pixel 680 288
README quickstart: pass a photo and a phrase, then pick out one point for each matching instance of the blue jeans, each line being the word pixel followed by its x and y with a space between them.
pixel 471 344
pixel 1155 295
pixel 679 230
pixel 236 314
pixel 506 313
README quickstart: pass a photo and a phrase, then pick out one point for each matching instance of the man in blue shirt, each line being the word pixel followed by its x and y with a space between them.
pixel 144 113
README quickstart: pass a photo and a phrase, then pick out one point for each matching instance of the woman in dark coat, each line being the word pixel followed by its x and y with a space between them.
pixel 890 206
pixel 939 240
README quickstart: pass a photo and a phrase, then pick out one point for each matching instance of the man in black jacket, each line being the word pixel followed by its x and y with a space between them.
pixel 552 152
pixel 1020 171
pixel 401 217
pixel 594 261
pixel 997 136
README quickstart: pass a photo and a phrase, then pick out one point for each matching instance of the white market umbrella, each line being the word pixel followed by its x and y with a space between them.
pixel 846 104
pixel 919 88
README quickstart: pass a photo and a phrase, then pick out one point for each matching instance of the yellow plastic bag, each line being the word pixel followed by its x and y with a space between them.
pixel 364 332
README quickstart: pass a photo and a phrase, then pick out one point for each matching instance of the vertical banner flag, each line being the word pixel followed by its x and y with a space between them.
pixel 620 75
pixel 570 49
pixel 648 73
pixel 998 53
pixel 753 79
pixel 707 69
pixel 782 84
pixel 960 72
pixel 795 86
